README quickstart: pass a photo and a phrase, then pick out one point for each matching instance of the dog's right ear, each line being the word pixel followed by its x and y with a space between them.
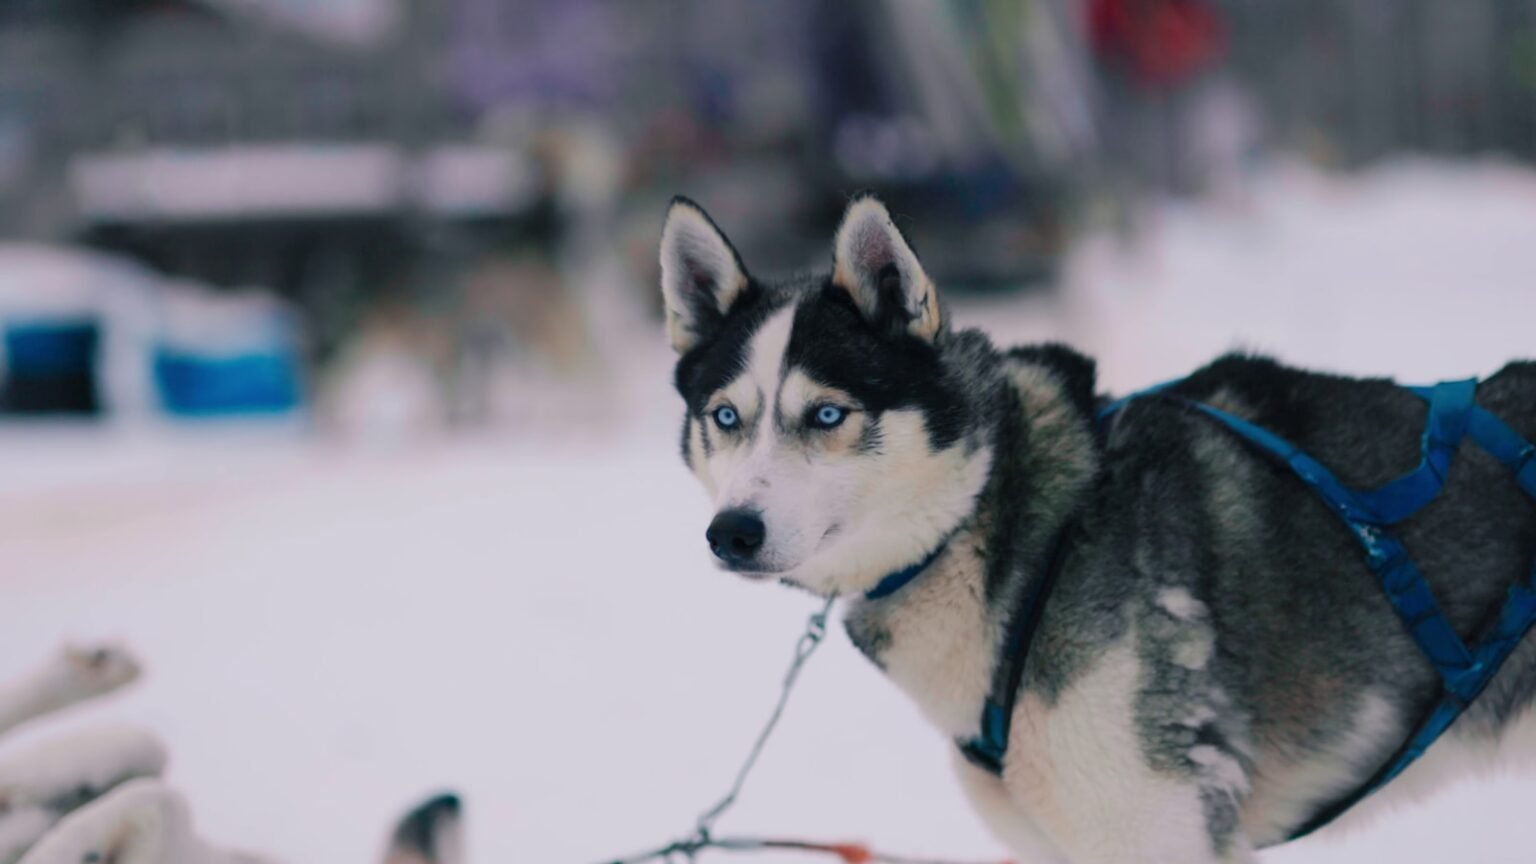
pixel 701 274
pixel 879 270
pixel 430 834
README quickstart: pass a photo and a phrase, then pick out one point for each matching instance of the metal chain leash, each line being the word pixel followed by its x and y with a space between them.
pixel 701 838
pixel 815 631
pixel 688 848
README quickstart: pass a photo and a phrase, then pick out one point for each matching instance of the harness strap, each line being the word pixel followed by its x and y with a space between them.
pixel 1505 445
pixel 1464 672
pixel 1406 587
pixel 987 749
pixel 899 580
pixel 1453 415
pixel 1450 405
pixel 1515 619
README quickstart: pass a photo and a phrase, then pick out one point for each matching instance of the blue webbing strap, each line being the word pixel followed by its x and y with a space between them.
pixel 1450 406
pixel 1400 577
pixel 990 746
pixel 1110 410
pixel 1505 445
pixel 1515 620
pixel 1452 416
pixel 899 580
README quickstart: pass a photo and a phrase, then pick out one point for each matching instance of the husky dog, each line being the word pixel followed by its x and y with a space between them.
pixel 94 796
pixel 1213 665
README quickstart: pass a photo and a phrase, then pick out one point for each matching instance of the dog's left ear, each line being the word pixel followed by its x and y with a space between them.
pixel 701 274
pixel 874 264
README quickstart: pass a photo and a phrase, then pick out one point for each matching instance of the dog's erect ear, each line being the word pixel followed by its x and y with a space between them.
pixel 874 264
pixel 430 834
pixel 701 274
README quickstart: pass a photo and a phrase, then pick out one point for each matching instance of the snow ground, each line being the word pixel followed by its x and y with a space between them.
pixel 333 634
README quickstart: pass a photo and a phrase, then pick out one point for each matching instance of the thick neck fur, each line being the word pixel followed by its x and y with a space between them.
pixel 938 638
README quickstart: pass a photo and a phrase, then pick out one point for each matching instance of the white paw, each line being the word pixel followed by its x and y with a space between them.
pixel 66 771
pixel 96 668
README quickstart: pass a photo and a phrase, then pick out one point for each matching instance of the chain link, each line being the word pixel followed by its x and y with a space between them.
pixel 702 838
pixel 815 631
pixel 689 847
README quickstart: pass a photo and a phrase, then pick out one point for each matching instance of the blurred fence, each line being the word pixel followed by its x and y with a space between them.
pixel 468 177
pixel 1356 80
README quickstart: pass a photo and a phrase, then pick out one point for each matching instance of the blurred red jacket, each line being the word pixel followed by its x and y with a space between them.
pixel 1161 43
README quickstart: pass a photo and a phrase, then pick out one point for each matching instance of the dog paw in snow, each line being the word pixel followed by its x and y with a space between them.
pixel 95 669
pixel 73 674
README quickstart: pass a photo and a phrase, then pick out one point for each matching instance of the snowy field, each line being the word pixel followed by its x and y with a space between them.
pixel 332 634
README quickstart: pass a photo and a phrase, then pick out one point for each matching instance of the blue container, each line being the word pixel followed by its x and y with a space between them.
pixel 193 385
pixel 50 367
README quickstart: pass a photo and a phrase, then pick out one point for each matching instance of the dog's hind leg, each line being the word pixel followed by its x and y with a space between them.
pixel 67 771
pixel 75 674
pixel 1138 818
pixel 1128 766
pixel 41 783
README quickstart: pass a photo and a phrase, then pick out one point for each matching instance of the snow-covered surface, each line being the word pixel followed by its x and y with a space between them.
pixel 354 23
pixel 331 634
pixel 238 182
pixel 285 180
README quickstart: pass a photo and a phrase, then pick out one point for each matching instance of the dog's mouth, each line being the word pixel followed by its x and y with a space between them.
pixel 753 573
pixel 756 572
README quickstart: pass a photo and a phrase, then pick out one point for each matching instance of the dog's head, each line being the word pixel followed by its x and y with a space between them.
pixel 827 416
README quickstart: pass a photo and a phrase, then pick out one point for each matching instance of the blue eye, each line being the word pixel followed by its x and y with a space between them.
pixel 726 417
pixel 828 417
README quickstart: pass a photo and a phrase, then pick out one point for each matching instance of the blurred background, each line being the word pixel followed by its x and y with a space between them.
pixel 332 372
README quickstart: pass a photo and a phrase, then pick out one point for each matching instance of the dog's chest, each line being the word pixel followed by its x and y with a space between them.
pixel 939 649
pixel 934 641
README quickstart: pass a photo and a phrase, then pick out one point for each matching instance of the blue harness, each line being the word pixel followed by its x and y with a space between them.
pixel 1464 671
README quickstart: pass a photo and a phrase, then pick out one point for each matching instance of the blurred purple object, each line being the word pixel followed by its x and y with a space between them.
pixel 529 52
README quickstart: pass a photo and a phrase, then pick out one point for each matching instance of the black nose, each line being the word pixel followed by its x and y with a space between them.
pixel 735 536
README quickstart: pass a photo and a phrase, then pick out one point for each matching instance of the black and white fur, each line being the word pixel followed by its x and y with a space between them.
pixel 1215 664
